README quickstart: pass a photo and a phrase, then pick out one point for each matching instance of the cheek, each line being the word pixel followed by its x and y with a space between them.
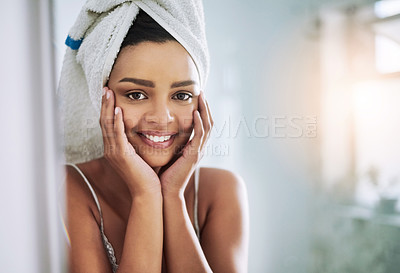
pixel 131 118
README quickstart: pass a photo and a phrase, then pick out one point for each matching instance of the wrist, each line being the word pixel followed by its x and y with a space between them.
pixel 153 192
pixel 149 203
pixel 173 195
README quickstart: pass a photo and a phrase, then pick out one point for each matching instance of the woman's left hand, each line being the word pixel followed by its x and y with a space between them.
pixel 175 178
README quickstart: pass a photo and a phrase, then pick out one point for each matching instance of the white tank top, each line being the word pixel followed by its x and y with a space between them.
pixel 107 245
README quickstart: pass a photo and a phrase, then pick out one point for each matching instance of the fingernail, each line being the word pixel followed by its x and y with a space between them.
pixel 104 91
pixel 116 110
pixel 108 94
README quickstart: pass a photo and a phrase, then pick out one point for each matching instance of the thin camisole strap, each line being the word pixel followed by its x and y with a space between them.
pixel 196 190
pixel 91 190
pixel 106 243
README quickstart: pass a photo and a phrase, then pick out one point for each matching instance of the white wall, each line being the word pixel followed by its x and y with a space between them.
pixel 29 234
pixel 65 13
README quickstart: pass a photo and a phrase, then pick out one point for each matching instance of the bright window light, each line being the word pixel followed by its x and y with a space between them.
pixel 386 8
pixel 377 119
pixel 387 54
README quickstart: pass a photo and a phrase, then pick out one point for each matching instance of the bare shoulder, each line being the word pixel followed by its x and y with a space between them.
pixel 225 233
pixel 78 195
pixel 221 184
pixel 74 184
pixel 86 247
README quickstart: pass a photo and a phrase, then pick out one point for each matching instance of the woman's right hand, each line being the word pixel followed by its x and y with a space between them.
pixel 137 174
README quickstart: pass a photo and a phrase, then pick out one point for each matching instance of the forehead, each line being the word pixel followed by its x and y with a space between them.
pixel 167 61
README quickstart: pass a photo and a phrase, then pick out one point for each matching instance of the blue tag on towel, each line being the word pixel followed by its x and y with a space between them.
pixel 73 44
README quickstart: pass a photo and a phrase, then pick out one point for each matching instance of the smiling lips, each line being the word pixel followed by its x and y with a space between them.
pixel 157 139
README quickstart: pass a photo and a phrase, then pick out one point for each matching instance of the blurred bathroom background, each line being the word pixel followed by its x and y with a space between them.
pixel 305 96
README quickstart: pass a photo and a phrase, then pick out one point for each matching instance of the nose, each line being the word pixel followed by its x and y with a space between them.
pixel 160 113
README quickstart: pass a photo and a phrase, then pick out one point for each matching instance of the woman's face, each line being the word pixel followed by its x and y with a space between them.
pixel 157 88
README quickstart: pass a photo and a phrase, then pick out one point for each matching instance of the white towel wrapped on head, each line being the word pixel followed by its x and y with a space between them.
pixel 94 42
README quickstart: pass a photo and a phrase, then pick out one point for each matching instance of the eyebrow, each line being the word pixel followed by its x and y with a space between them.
pixel 151 84
pixel 139 82
pixel 183 83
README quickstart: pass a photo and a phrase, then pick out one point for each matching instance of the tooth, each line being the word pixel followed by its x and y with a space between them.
pixel 158 138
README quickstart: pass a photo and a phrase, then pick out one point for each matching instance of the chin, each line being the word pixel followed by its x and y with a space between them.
pixel 157 160
pixel 155 157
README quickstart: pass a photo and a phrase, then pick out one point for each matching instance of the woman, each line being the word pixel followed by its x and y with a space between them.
pixel 144 206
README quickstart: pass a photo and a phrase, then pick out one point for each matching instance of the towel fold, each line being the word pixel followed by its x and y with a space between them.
pixel 93 45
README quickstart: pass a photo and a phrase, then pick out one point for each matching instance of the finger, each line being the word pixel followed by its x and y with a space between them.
pixel 204 113
pixel 211 123
pixel 209 114
pixel 206 119
pixel 121 140
pixel 108 121
pixel 195 143
pixel 102 116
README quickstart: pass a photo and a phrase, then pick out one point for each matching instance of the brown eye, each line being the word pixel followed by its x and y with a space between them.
pixel 136 96
pixel 182 96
